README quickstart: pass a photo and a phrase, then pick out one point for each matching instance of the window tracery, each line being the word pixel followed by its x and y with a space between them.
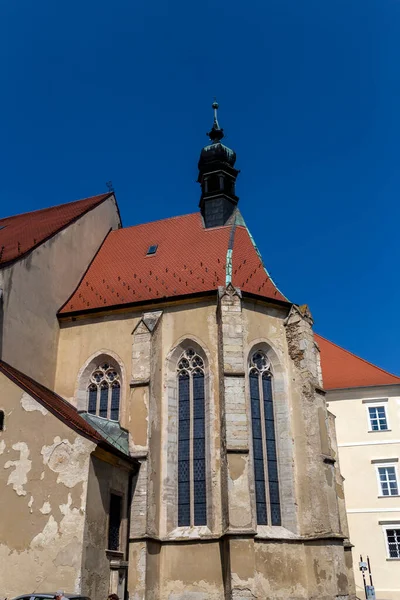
pixel 192 506
pixel 104 392
pixel 264 441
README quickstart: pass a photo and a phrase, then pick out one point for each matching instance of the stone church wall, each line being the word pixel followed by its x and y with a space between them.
pixel 36 286
pixel 231 557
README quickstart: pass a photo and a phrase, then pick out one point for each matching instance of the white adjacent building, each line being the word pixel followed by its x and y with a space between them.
pixel 366 402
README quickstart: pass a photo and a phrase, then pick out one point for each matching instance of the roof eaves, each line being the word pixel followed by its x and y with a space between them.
pixel 362 359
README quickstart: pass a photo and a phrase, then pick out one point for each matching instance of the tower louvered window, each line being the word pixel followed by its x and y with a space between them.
pixel 264 441
pixel 104 392
pixel 192 505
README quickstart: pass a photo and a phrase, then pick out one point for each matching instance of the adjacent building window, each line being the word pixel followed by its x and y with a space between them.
pixel 377 418
pixel 192 503
pixel 264 442
pixel 393 542
pixel 388 480
pixel 104 392
pixel 114 522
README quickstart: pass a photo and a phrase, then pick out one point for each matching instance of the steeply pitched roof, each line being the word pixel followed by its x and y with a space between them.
pixel 21 233
pixel 189 259
pixel 342 369
pixel 55 404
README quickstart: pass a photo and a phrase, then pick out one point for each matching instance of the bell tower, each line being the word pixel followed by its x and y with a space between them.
pixel 217 177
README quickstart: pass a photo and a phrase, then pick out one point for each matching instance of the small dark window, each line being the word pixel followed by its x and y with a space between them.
pixel 114 522
pixel 152 249
pixel 1 420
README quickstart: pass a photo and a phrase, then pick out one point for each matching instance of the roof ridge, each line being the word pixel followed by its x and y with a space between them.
pixel 157 221
pixel 358 357
pixel 260 256
pixel 38 210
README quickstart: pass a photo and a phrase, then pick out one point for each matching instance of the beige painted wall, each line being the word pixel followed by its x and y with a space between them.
pixel 368 512
pixel 43 476
pixel 35 287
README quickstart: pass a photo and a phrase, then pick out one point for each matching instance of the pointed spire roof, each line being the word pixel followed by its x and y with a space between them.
pixel 216 134
pixel 342 369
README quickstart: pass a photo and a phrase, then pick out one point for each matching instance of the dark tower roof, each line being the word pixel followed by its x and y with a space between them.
pixel 216 151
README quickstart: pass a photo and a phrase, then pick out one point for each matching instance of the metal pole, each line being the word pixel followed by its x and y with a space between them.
pixel 369 569
pixel 365 583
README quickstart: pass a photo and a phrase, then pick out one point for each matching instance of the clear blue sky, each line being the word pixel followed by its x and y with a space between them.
pixel 309 99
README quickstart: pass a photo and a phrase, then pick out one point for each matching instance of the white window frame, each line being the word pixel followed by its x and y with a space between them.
pixel 377 404
pixel 385 527
pixel 384 464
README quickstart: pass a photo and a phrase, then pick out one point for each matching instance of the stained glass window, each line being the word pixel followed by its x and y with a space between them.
pixel 264 442
pixel 192 503
pixel 104 392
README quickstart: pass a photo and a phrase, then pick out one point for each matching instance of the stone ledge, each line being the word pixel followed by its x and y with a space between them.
pixel 139 383
pixel 237 450
pixel 234 374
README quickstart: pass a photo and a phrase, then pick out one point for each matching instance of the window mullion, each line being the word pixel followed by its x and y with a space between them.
pixel 264 446
pixel 191 438
pixel 109 402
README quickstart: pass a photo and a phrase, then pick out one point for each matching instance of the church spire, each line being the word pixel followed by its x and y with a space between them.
pixel 217 177
pixel 216 134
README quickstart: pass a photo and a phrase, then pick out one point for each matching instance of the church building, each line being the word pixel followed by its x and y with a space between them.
pixel 164 432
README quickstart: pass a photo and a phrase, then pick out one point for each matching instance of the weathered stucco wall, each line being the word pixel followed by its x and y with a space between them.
pixel 35 287
pixel 104 478
pixel 195 562
pixel 43 480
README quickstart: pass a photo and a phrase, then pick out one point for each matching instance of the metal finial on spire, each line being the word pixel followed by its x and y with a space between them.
pixel 216 134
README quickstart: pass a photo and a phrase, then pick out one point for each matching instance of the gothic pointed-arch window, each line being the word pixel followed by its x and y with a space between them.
pixel 192 505
pixel 264 441
pixel 104 392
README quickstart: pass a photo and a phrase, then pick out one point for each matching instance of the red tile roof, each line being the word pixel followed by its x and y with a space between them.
pixel 55 404
pixel 21 233
pixel 342 369
pixel 189 259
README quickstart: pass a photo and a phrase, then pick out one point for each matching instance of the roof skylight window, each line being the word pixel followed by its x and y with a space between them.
pixel 152 249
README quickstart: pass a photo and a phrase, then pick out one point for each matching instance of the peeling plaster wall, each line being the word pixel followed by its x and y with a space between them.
pixel 43 479
pixel 104 478
pixel 36 286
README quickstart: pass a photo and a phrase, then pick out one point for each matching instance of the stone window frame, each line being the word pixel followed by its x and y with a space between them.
pixel 170 441
pixel 283 433
pixel 261 371
pixel 85 373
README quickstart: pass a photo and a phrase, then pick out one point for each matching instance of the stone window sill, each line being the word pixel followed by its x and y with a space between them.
pixel 190 533
pixel 393 558
pixel 378 430
pixel 390 496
